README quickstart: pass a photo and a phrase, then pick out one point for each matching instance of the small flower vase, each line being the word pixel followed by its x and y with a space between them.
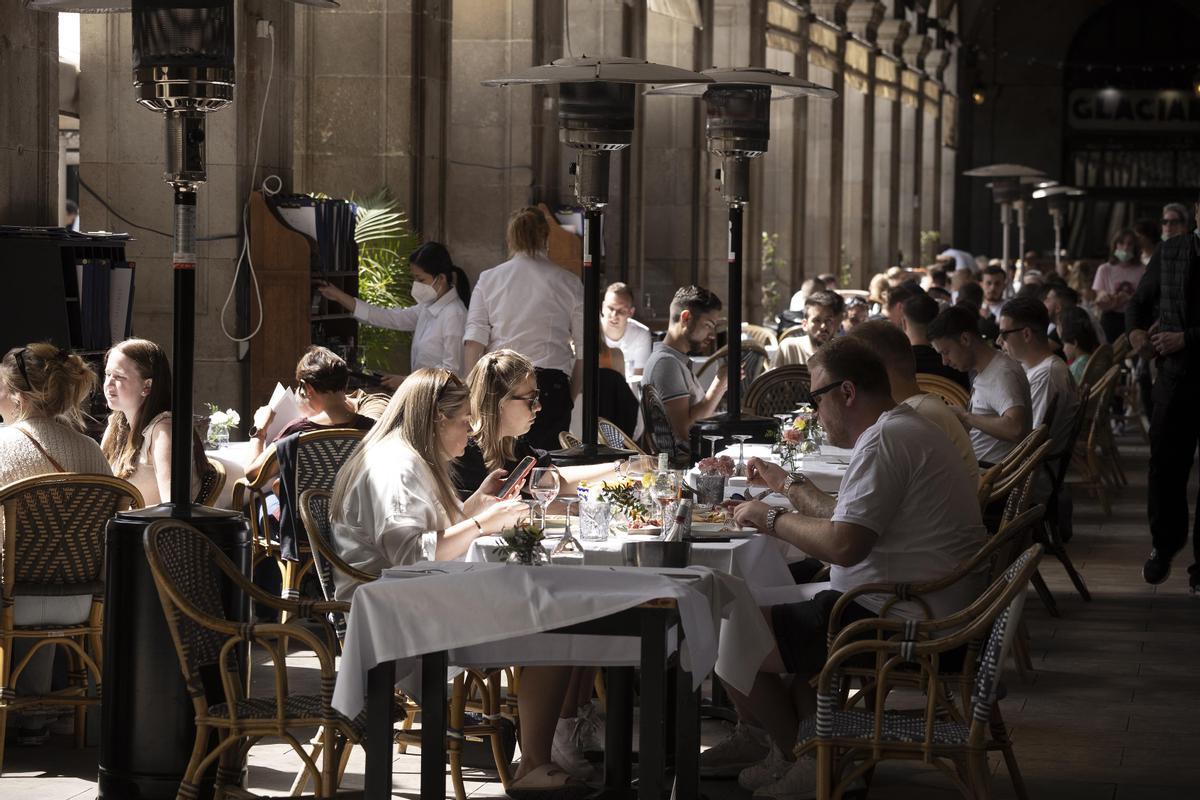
pixel 218 437
pixel 787 458
pixel 710 490
pixel 533 557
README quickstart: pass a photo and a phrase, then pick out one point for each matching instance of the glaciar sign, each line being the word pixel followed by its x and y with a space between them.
pixel 1127 110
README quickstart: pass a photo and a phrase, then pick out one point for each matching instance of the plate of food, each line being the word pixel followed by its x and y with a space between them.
pixel 716 515
pixel 718 530
pixel 643 527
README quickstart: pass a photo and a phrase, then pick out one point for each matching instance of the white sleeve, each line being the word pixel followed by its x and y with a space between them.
pixel 577 317
pixel 409 522
pixel 641 348
pixel 1039 391
pixel 400 319
pixel 871 490
pixel 451 339
pixel 479 323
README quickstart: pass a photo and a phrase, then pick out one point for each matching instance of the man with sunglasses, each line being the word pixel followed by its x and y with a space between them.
pixel 906 512
pixel 1000 411
pixel 1163 320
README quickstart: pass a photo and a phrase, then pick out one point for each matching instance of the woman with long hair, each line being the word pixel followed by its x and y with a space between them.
pixel 394 504
pixel 442 292
pixel 137 441
pixel 42 393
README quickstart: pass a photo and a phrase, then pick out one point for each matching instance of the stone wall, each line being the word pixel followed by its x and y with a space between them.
pixel 28 117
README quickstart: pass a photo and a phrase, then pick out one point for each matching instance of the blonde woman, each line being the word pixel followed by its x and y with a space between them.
pixel 42 392
pixel 137 441
pixel 394 504
pixel 533 306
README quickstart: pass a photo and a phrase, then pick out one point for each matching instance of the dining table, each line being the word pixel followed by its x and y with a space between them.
pixel 234 457
pixel 498 614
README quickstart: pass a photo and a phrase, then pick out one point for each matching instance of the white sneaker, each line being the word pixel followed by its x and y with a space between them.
pixel 800 783
pixel 745 746
pixel 765 772
pixel 566 753
pixel 590 731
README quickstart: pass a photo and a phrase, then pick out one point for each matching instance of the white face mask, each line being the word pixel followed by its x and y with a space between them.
pixel 1165 236
pixel 1121 255
pixel 424 293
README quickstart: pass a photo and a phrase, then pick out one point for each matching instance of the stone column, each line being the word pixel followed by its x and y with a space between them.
pixel 28 116
pixel 914 50
pixel 862 19
pixel 891 36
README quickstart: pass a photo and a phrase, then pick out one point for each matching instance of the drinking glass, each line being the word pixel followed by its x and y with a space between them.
pixel 595 516
pixel 712 443
pixel 665 491
pixel 741 438
pixel 568 543
pixel 544 483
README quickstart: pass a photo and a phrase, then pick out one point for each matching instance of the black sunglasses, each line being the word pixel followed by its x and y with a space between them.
pixel 1002 334
pixel 815 394
pixel 1171 221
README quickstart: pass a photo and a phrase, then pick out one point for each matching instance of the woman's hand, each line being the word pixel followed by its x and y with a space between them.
pixel 494 482
pixel 331 292
pixel 501 514
pixel 764 473
pixel 262 420
pixel 752 514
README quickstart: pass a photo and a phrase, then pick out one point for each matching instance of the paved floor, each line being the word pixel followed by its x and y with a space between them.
pixel 1112 712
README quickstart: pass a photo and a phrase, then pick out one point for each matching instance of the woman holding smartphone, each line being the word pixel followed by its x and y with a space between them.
pixel 442 292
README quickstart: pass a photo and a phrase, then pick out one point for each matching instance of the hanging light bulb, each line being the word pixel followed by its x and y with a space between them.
pixel 979 94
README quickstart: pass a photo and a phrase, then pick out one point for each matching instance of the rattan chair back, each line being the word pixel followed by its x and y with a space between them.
pixel 211 483
pixel 779 391
pixel 320 454
pixel 1097 364
pixel 567 440
pixel 609 433
pixel 54 532
pixel 754 360
pixel 318 525
pixel 760 334
pixel 948 390
pixel 660 435
pixel 795 330
pixel 1121 347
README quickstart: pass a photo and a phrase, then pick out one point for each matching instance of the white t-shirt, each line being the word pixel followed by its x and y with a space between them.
pixel 906 483
pixel 1000 386
pixel 391 516
pixel 1051 378
pixel 934 409
pixel 634 345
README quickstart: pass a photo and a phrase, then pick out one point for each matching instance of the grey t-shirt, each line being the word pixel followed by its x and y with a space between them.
pixel 670 372
pixel 1000 386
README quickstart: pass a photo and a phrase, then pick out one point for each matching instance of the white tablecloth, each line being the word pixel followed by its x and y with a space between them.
pixel 824 470
pixel 235 457
pixel 758 560
pixel 494 614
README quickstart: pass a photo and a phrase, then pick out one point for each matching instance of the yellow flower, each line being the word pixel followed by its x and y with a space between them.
pixel 647 480
pixel 800 423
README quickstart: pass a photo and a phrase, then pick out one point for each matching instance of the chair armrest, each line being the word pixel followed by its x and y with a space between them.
pixel 309 609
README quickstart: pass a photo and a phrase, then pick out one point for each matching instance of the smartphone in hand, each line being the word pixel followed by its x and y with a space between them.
pixel 517 475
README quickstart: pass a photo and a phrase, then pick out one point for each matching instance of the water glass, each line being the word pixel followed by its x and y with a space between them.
pixel 595 517
pixel 710 490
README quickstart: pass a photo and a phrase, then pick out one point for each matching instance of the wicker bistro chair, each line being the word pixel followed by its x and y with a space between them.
pixel 1098 364
pixel 779 391
pixel 948 390
pixel 795 330
pixel 848 743
pixel 53 545
pixel 473 690
pixel 189 572
pixel 567 440
pixel 319 456
pixel 1091 459
pixel 760 335
pixel 754 361
pixel 211 483
pixel 660 436
pixel 609 433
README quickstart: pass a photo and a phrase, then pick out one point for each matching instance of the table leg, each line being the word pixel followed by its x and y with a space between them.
pixel 651 761
pixel 687 736
pixel 381 686
pixel 433 726
pixel 618 728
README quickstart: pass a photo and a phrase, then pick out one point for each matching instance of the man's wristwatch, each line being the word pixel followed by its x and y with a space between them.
pixel 792 479
pixel 772 516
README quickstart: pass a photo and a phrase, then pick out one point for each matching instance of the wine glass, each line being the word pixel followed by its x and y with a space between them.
pixel 665 490
pixel 568 544
pixel 741 438
pixel 712 443
pixel 785 420
pixel 544 483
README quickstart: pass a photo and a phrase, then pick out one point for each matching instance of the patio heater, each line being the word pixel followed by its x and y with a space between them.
pixel 596 102
pixel 1006 191
pixel 183 68
pixel 1057 199
pixel 738 128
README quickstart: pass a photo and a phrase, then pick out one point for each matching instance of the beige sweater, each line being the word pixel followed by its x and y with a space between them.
pixel 74 452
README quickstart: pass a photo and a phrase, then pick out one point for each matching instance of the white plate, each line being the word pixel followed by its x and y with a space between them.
pixel 716 530
pixel 652 530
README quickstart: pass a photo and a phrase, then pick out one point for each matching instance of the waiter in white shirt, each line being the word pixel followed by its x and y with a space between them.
pixel 442 292
pixel 624 332
pixel 533 306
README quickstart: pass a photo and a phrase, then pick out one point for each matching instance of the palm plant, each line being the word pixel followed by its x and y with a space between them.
pixel 384 244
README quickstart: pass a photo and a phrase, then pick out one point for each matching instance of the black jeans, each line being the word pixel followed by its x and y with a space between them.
pixel 555 416
pixel 1174 434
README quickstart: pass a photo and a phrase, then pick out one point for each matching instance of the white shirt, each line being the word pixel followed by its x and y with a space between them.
pixel 1051 378
pixel 437 329
pixel 531 305
pixel 934 409
pixel 391 516
pixel 634 345
pixel 1000 386
pixel 906 484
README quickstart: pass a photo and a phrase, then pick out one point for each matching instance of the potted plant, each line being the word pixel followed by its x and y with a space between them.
pixel 384 244
pixel 522 544
pixel 219 424
pixel 710 485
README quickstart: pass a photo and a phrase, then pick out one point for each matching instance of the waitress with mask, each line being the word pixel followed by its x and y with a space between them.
pixel 439 318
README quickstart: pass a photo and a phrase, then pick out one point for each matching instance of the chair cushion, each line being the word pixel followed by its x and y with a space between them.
pixel 897 727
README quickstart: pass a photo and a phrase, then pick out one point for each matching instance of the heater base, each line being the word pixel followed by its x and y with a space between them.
pixel 588 454
pixel 759 429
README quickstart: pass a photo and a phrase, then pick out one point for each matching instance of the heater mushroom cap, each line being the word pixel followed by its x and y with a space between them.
pixel 605 69
pixel 783 86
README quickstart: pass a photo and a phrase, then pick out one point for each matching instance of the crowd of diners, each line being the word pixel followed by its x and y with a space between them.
pixel 495 373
